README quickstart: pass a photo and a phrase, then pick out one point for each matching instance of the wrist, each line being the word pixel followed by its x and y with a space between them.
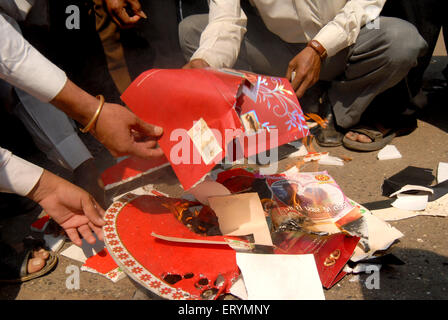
pixel 318 48
pixel 76 103
pixel 41 189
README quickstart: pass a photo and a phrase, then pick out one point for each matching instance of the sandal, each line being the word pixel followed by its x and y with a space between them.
pixel 379 139
pixel 14 266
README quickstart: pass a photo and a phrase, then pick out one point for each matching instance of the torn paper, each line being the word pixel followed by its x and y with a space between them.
pixel 280 277
pixel 242 214
pixel 442 172
pixel 389 152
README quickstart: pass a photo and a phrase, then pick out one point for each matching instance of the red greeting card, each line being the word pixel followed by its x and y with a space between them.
pixel 202 111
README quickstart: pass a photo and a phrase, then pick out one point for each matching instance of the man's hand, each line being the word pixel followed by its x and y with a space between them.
pixel 123 133
pixel 120 130
pixel 196 64
pixel 117 11
pixel 70 206
pixel 306 66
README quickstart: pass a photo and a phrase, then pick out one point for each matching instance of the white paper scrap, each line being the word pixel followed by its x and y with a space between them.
pixel 389 152
pixel 280 277
pixel 414 188
pixel 238 289
pixel 331 161
pixel 442 172
pixel 410 202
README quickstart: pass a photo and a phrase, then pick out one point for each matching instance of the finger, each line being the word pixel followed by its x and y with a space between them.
pixel 87 234
pixel 93 211
pixel 98 231
pixel 298 80
pixel 307 82
pixel 124 18
pixel 137 8
pixel 74 236
pixel 289 71
pixel 145 150
pixel 148 129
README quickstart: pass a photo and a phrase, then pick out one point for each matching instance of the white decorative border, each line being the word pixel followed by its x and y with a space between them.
pixel 127 262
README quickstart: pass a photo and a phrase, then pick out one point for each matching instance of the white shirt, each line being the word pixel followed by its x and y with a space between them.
pixel 17 175
pixel 334 23
pixel 24 67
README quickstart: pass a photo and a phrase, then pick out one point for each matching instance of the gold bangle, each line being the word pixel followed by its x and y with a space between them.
pixel 92 121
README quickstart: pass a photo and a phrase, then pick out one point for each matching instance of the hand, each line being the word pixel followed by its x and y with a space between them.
pixel 70 206
pixel 306 66
pixel 196 64
pixel 118 13
pixel 123 133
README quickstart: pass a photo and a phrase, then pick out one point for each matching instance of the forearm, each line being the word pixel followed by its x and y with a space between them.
pixel 76 103
pixel 221 39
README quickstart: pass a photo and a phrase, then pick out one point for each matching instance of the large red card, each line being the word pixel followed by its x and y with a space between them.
pixel 202 111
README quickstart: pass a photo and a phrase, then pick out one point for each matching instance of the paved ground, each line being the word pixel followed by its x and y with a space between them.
pixel 424 248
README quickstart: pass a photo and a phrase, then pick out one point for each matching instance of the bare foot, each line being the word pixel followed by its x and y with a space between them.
pixel 354 136
pixel 35 265
pixel 38 260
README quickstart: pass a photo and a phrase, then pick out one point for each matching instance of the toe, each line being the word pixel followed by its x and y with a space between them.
pixel 363 138
pixel 35 264
pixel 351 135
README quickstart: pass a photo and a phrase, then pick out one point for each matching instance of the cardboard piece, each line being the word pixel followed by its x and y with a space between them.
pixel 280 277
pixel 242 214
pixel 203 111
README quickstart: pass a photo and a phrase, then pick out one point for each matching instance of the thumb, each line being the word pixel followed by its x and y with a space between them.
pixel 148 129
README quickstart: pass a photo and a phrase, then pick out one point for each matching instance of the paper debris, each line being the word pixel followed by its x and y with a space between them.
pixel 411 202
pixel 381 236
pixel 362 268
pixel 242 214
pixel 394 214
pixel 414 189
pixel 299 153
pixel 331 161
pixel 280 277
pixel 238 289
pixel 84 252
pixel 315 156
pixel 103 264
pixel 442 172
pixel 40 224
pixel 389 152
